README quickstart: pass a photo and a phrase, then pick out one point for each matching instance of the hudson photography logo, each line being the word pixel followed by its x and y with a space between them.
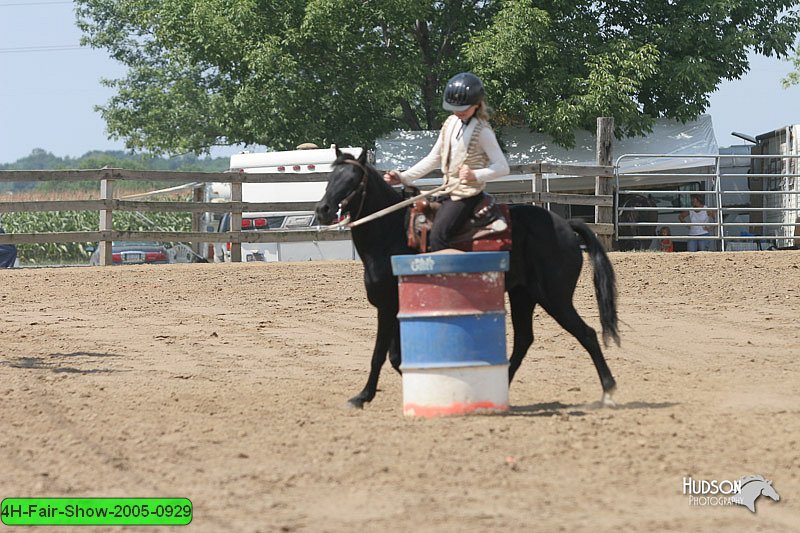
pixel 722 493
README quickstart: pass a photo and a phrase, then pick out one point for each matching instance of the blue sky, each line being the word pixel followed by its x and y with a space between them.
pixel 47 97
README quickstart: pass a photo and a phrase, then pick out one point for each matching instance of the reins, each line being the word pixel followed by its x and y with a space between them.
pixel 362 187
pixel 399 205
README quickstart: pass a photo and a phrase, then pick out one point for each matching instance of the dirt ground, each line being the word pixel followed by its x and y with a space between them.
pixel 226 384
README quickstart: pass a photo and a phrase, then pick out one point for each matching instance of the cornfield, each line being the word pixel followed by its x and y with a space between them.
pixel 68 221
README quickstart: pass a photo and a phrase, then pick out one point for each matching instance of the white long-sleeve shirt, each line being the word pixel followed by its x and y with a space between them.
pixel 459 139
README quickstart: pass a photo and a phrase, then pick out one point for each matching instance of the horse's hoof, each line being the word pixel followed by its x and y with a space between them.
pixel 607 400
pixel 355 403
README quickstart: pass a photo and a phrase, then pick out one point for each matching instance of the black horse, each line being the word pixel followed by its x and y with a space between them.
pixel 633 200
pixel 545 263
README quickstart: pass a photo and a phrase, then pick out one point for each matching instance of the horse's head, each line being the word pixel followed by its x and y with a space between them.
pixel 634 201
pixel 346 188
pixel 769 491
pixel 752 488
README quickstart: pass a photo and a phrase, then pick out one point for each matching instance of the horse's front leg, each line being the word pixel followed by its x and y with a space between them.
pixel 387 328
pixel 522 306
pixel 394 348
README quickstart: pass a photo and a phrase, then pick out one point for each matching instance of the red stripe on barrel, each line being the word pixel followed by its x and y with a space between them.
pixel 453 294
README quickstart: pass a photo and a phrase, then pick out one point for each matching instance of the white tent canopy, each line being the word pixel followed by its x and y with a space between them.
pixel 402 149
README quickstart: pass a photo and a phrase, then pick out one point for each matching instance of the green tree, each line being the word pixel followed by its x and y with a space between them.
pixel 40 159
pixel 793 78
pixel 281 72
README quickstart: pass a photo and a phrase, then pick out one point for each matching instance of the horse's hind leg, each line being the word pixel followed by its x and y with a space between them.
pixel 522 306
pixel 570 320
pixel 387 327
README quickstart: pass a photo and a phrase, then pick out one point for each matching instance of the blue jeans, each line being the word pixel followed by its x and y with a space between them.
pixel 699 245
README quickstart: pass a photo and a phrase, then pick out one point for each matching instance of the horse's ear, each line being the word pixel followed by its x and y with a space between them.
pixel 362 158
pixel 337 151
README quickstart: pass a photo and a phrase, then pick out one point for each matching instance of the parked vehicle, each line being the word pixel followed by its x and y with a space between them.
pixel 8 254
pixel 299 162
pixel 134 253
pixel 276 251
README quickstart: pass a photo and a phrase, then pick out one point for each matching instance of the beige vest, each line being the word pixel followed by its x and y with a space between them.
pixel 475 158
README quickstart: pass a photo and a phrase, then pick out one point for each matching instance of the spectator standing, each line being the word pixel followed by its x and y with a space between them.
pixel 701 216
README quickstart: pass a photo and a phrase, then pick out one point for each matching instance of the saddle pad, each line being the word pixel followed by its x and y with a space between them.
pixel 492 242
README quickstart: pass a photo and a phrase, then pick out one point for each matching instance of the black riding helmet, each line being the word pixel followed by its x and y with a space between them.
pixel 463 90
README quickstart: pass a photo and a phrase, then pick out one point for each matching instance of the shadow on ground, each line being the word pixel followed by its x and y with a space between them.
pixel 559 409
pixel 39 363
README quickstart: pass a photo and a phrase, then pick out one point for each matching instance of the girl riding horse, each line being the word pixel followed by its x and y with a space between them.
pixel 467 153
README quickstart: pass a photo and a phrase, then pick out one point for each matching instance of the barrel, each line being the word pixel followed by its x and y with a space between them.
pixel 452 332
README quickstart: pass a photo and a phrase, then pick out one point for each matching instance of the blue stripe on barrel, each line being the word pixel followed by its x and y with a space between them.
pixel 453 341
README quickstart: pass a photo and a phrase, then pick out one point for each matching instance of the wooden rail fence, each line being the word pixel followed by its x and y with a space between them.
pixel 107 205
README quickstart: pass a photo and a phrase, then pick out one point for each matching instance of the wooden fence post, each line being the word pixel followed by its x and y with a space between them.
pixel 236 223
pixel 604 185
pixel 106 222
pixel 197 218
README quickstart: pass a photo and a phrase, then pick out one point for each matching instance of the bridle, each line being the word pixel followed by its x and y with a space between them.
pixel 361 189
pixel 352 222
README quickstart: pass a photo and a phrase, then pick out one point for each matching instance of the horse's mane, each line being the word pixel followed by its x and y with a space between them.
pixel 373 173
pixel 748 479
pixel 633 199
pixel 342 157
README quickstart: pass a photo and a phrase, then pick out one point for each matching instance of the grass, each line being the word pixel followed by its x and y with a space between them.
pixel 71 221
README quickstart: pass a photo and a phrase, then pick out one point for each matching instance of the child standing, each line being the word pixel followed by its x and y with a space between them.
pixel 666 242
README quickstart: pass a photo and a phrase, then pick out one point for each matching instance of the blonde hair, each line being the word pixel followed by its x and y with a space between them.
pixel 484 111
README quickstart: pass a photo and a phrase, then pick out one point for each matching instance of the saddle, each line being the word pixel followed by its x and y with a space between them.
pixel 487 230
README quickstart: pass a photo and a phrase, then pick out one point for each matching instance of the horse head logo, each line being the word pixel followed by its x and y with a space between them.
pixel 752 488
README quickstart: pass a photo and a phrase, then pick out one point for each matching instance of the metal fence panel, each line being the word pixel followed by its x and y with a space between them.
pixel 741 218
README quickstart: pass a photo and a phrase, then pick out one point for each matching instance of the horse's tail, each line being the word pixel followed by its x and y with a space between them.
pixel 605 283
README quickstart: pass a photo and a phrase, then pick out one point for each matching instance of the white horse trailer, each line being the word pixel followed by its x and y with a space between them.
pixel 296 162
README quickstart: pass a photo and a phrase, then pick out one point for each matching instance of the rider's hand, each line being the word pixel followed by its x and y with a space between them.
pixel 392 177
pixel 467 175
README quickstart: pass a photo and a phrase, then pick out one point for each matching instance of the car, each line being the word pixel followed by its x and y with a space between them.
pixel 8 254
pixel 134 253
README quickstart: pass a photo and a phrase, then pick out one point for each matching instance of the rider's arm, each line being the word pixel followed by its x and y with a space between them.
pixel 498 166
pixel 426 165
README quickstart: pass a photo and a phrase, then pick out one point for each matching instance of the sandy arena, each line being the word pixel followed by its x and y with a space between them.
pixel 227 385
